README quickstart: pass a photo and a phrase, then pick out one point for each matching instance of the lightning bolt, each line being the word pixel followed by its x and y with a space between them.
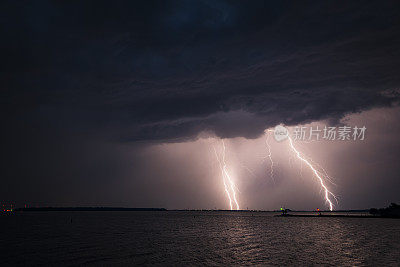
pixel 226 177
pixel 316 173
pixel 269 155
pixel 232 184
pixel 248 170
pixel 244 167
pixel 223 178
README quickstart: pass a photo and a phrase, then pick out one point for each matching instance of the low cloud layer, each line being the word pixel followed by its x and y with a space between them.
pixel 170 70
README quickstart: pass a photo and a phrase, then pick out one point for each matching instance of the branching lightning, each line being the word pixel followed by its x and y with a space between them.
pixel 230 186
pixel 269 155
pixel 316 173
pixel 223 178
pixel 231 189
pixel 321 175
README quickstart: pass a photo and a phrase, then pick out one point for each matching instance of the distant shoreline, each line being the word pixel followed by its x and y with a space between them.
pixel 337 216
pixel 312 214
pixel 88 209
pixel 162 209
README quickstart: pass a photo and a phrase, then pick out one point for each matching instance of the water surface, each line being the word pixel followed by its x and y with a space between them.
pixel 182 238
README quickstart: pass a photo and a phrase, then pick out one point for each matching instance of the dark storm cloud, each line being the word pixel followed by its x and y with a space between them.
pixel 167 70
pixel 75 75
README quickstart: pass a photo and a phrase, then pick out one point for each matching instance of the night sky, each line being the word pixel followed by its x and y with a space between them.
pixel 113 103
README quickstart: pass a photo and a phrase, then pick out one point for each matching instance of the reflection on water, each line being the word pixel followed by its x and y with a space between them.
pixel 212 238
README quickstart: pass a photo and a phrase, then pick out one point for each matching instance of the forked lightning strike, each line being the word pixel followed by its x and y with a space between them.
pixel 223 178
pixel 232 184
pixel 271 172
pixel 226 176
pixel 316 173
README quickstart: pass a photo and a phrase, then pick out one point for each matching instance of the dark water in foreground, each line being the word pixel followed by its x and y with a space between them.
pixel 197 238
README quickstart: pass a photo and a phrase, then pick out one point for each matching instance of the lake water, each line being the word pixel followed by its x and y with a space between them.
pixel 195 238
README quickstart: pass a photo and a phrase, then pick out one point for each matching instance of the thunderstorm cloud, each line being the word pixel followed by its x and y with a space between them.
pixel 168 70
pixel 103 102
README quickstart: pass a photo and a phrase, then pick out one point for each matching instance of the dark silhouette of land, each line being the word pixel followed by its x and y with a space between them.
pixel 393 211
pixel 88 209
